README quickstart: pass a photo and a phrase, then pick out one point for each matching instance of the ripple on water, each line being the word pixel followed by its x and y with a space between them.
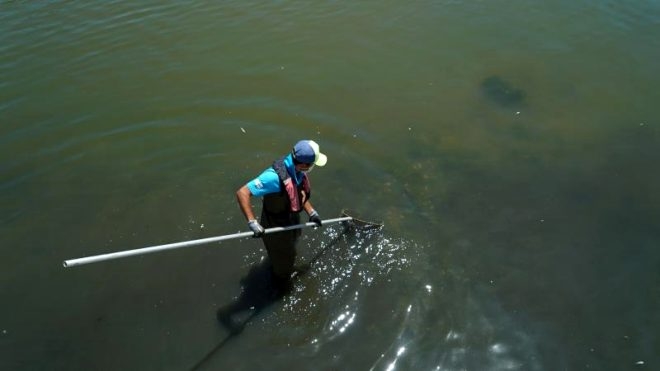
pixel 478 334
pixel 327 300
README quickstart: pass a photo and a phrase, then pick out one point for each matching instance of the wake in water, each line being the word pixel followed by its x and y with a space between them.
pixel 344 265
pixel 335 268
pixel 369 288
pixel 471 334
pixel 334 304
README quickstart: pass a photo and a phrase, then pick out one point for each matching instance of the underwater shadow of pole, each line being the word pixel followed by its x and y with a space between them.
pixel 260 290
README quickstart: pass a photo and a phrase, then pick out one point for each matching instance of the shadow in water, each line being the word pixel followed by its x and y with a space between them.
pixel 260 289
pixel 501 92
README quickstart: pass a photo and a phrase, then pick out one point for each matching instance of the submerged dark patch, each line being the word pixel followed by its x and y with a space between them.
pixel 502 92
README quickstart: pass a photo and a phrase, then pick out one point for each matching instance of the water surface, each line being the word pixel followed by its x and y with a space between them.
pixel 510 148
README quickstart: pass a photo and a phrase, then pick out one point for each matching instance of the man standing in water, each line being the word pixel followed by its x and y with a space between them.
pixel 286 191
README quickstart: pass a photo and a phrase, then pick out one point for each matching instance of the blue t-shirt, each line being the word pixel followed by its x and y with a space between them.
pixel 268 181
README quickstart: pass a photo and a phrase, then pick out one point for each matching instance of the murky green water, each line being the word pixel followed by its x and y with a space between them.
pixel 509 147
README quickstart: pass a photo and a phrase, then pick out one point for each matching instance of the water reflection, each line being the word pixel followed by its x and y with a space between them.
pixel 329 301
pixel 343 267
pixel 437 331
pixel 342 322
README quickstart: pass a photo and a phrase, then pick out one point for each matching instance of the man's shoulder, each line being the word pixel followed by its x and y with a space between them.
pixel 266 182
pixel 269 174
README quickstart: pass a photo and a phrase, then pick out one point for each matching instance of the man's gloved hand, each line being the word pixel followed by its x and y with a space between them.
pixel 256 228
pixel 314 217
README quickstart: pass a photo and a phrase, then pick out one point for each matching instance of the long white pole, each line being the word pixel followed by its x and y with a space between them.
pixel 176 245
